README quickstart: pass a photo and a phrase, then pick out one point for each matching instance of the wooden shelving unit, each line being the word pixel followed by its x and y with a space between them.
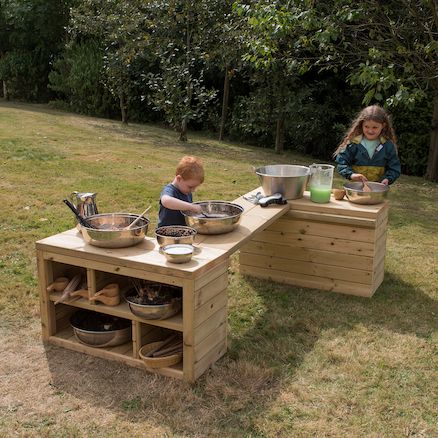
pixel 204 281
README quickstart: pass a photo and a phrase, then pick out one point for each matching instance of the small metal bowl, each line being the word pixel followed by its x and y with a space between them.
pixel 355 193
pixel 221 217
pixel 110 230
pixel 100 338
pixel 178 252
pixel 172 234
pixel 155 311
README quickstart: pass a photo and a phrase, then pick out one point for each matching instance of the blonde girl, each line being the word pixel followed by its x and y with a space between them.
pixel 368 151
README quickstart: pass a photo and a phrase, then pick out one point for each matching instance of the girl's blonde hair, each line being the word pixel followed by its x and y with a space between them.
pixel 375 113
pixel 190 168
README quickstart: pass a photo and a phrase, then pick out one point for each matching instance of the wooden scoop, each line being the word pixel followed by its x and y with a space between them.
pixel 110 290
pixel 366 187
pixel 58 285
pixel 80 293
pixel 109 301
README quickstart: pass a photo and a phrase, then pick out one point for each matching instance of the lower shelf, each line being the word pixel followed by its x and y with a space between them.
pixel 121 353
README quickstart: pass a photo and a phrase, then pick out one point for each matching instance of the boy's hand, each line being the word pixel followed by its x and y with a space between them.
pixel 195 208
pixel 385 181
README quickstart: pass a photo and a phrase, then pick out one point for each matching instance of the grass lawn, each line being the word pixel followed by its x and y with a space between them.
pixel 300 363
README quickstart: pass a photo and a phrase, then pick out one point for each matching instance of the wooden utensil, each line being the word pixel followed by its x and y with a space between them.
pixel 110 290
pixel 80 293
pixel 71 287
pixel 164 344
pixel 58 285
pixel 366 187
pixel 109 301
pixel 136 220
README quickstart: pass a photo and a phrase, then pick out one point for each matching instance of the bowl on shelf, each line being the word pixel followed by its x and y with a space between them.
pixel 150 300
pixel 218 217
pixel 110 230
pixel 158 362
pixel 172 234
pixel 178 252
pixel 356 194
pixel 100 330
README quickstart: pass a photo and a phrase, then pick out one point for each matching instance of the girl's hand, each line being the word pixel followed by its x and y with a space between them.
pixel 358 177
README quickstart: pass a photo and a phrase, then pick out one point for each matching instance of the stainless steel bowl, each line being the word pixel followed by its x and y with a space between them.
pixel 222 217
pixel 100 338
pixel 355 193
pixel 178 252
pixel 172 234
pixel 288 179
pixel 155 311
pixel 110 230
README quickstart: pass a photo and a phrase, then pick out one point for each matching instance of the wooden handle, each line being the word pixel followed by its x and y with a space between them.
pixel 136 220
pixel 164 344
pixel 58 285
pixel 110 290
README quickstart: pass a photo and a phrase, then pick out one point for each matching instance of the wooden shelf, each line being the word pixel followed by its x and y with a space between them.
pixel 122 353
pixel 123 311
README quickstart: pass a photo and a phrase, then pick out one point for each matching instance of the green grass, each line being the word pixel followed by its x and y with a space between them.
pixel 300 362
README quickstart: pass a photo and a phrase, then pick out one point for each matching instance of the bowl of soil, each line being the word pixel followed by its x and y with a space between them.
pixel 100 330
pixel 174 234
pixel 150 300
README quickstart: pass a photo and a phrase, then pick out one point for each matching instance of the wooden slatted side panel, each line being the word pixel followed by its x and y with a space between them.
pixel 209 329
pixel 327 253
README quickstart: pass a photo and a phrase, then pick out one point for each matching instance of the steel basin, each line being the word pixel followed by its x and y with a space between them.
pixel 288 179
pixel 355 193
pixel 110 232
pixel 228 217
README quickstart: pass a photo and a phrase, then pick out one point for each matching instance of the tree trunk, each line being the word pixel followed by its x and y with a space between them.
pixel 432 162
pixel 225 104
pixel 279 135
pixel 5 91
pixel 183 132
pixel 123 108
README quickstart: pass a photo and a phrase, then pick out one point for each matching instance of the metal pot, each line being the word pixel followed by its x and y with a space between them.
pixel 356 194
pixel 111 232
pixel 288 179
pixel 220 217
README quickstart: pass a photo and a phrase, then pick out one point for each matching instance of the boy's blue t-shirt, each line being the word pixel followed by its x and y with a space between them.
pixel 172 217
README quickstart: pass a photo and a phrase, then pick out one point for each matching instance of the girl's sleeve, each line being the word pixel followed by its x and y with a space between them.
pixel 344 162
pixel 392 168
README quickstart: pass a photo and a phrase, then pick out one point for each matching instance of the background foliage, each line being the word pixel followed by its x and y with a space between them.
pixel 283 75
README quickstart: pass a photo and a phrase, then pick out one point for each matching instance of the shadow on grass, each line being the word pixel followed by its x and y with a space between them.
pixel 239 389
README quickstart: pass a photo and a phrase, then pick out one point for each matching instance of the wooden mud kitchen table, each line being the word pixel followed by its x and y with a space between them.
pixel 337 246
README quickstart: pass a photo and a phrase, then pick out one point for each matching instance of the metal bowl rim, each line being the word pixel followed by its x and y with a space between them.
pixel 152 306
pixel 116 214
pixel 351 189
pixel 185 227
pixel 94 332
pixel 257 171
pixel 231 204
pixel 184 245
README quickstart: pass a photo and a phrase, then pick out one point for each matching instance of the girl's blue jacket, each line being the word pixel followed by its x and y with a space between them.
pixel 383 164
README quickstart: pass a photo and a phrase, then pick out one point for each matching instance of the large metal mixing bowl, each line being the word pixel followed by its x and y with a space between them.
pixel 110 230
pixel 356 194
pixel 220 217
pixel 100 338
pixel 288 179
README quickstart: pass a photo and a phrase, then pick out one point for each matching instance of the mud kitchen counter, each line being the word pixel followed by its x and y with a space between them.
pixel 204 280
pixel 336 246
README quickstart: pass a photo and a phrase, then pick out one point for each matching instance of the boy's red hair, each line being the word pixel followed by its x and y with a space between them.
pixel 190 168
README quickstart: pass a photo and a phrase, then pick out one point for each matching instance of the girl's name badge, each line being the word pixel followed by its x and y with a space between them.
pixel 379 148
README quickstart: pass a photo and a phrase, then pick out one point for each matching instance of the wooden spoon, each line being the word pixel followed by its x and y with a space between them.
pixel 366 187
pixel 109 301
pixel 133 223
